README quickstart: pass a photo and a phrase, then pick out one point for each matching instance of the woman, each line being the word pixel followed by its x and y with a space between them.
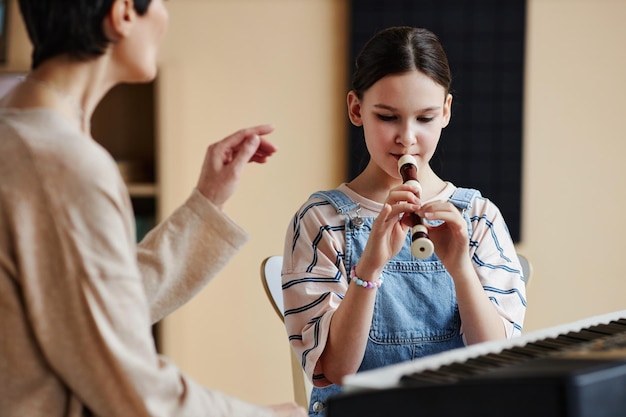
pixel 77 296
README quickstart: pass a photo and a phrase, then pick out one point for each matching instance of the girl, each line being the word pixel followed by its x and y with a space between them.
pixel 77 297
pixel 470 290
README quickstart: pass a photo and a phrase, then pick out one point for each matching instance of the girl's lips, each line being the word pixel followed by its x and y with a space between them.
pixel 398 156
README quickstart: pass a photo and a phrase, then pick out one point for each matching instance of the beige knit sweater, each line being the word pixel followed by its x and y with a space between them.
pixel 78 296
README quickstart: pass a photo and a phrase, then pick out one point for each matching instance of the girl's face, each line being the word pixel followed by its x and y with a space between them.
pixel 401 114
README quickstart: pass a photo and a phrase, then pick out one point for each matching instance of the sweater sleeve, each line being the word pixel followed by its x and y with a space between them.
pixel 183 253
pixel 85 302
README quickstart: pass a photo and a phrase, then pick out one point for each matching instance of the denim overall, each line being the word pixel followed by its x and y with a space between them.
pixel 415 313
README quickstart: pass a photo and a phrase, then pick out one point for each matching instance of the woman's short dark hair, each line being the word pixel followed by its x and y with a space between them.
pixel 401 49
pixel 72 27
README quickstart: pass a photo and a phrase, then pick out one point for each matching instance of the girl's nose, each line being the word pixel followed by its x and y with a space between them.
pixel 407 136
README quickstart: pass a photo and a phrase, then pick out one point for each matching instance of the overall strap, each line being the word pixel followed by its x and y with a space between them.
pixel 339 200
pixel 462 197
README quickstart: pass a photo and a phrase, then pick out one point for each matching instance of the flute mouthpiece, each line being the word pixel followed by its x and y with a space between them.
pixel 406 159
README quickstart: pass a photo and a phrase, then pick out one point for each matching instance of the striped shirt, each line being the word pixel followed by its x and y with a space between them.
pixel 315 279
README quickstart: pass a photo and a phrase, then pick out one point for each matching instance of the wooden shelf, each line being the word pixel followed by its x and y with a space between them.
pixel 143 189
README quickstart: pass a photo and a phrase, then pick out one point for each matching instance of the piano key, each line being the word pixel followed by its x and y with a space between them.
pixel 541 349
pixel 427 377
pixel 458 369
pixel 591 335
pixel 617 324
pixel 529 350
pixel 568 341
pixel 504 359
pixel 573 339
pixel 580 336
pixel 482 363
pixel 611 328
pixel 488 361
pixel 552 342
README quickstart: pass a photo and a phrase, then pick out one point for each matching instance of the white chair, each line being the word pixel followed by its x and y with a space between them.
pixel 527 267
pixel 271 268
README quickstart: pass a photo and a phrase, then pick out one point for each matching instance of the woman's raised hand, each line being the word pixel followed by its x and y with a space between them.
pixel 224 161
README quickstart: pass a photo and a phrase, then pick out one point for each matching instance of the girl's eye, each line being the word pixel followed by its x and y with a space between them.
pixel 425 119
pixel 386 118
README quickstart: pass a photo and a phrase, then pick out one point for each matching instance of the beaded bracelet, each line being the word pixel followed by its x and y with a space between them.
pixel 365 284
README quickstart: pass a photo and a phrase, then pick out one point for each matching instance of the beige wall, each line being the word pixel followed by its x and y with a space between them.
pixel 233 63
pixel 574 170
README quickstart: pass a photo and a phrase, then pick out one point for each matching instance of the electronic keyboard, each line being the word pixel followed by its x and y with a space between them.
pixel 573 370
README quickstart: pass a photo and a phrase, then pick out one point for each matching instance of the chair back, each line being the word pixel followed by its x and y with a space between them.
pixel 271 277
pixel 527 267
pixel 271 269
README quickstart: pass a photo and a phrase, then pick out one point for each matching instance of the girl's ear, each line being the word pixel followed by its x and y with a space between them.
pixel 119 21
pixel 447 110
pixel 354 109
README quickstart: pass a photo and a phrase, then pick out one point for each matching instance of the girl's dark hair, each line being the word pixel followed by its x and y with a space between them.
pixel 73 27
pixel 401 49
